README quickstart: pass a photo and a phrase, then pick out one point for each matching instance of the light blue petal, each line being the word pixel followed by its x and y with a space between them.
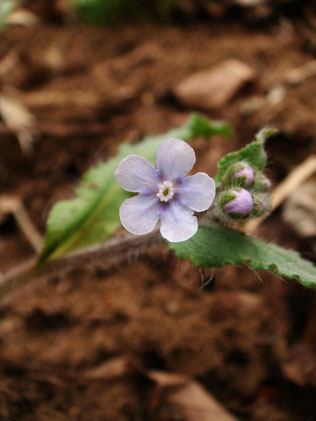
pixel 177 222
pixel 134 173
pixel 175 159
pixel 140 214
pixel 197 192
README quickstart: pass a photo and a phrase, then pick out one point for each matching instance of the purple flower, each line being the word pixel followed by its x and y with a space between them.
pixel 164 192
pixel 247 173
pixel 242 203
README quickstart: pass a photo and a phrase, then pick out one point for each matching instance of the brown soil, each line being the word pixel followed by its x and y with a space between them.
pixel 239 336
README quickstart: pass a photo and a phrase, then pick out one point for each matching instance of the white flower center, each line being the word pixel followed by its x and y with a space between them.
pixel 166 191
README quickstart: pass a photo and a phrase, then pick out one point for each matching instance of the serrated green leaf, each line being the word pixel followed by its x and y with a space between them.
pixel 93 214
pixel 254 154
pixel 220 246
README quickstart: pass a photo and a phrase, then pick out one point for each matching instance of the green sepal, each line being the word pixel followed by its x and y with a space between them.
pixel 253 154
pixel 225 197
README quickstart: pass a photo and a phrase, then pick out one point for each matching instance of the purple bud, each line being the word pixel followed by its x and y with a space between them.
pixel 241 205
pixel 246 172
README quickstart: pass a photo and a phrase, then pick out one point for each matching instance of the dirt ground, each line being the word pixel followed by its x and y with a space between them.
pixel 248 338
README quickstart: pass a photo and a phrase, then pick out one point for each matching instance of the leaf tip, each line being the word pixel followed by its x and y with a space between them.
pixel 265 133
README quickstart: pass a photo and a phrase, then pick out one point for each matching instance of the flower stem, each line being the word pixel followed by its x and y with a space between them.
pixel 108 254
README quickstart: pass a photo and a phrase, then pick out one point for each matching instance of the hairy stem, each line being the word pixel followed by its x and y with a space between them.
pixel 108 254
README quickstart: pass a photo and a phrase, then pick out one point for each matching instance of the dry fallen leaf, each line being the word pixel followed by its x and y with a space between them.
pixel 292 184
pixel 189 398
pixel 300 209
pixel 213 88
pixel 179 391
pixel 300 366
pixel 20 120
pixel 23 17
pixel 110 369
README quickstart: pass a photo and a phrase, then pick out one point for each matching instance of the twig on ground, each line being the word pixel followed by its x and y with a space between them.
pixel 11 204
pixel 301 73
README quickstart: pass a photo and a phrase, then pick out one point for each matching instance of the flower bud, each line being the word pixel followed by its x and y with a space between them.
pixel 247 174
pixel 236 203
pixel 262 183
pixel 261 204
pixel 240 175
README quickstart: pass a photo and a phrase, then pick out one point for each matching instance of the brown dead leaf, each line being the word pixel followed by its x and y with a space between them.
pixel 213 88
pixel 8 64
pixel 300 366
pixel 300 209
pixel 299 74
pixel 286 189
pixel 163 379
pixel 23 17
pixel 111 369
pixel 198 405
pixel 191 400
pixel 20 120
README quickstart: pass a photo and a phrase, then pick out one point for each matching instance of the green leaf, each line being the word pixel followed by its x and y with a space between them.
pixel 93 215
pixel 114 11
pixel 6 7
pixel 220 246
pixel 253 154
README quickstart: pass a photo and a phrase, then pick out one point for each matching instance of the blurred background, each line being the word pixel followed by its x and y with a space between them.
pixel 153 338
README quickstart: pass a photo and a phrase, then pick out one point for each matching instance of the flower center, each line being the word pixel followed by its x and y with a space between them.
pixel 166 191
